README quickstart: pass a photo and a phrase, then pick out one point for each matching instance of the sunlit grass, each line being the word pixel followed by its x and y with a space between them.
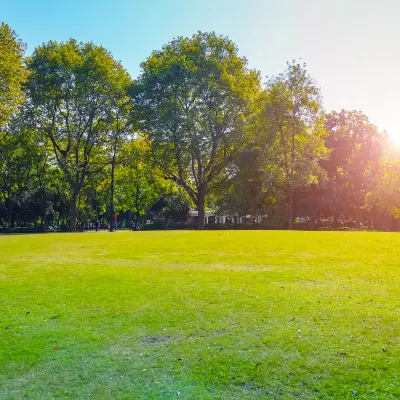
pixel 200 315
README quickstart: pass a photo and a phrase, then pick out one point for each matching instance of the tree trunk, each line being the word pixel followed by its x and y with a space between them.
pixel 358 210
pixel 112 196
pixel 387 222
pixel 358 216
pixel 137 216
pixel 200 207
pixel 73 214
pixel 97 209
pixel 290 206
pixel 113 161
pixel 44 211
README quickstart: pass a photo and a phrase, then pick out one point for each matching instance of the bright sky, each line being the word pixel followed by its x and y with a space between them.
pixel 352 47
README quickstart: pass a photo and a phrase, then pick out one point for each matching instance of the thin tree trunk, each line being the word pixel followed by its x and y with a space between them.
pixel 358 211
pixel 10 218
pixel 387 222
pixel 43 210
pixel 137 216
pixel 358 216
pixel 112 193
pixel 97 209
pixel 290 206
pixel 73 214
pixel 200 206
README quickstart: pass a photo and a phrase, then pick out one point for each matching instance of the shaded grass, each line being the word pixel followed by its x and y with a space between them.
pixel 200 315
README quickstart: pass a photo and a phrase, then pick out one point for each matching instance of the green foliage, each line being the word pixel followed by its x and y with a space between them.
pixel 254 188
pixel 193 101
pixel 22 162
pixel 89 141
pixel 139 185
pixel 73 89
pixel 356 147
pixel 12 73
pixel 385 195
pixel 294 124
pixel 292 132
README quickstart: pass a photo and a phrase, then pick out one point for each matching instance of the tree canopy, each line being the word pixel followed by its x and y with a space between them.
pixel 72 91
pixel 12 73
pixel 83 144
pixel 193 102
pixel 292 133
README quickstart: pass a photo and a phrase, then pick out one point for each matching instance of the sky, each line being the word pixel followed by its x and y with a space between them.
pixel 351 47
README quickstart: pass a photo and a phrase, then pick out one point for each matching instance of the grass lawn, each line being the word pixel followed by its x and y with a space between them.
pixel 200 315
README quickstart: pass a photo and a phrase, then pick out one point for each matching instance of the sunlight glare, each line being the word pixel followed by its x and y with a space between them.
pixel 394 135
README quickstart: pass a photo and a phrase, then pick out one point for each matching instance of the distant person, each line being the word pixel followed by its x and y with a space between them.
pixel 96 226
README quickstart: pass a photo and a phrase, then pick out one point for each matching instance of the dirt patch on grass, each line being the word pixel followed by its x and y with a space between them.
pixel 156 339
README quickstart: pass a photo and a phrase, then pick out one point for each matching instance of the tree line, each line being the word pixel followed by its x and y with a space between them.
pixel 81 141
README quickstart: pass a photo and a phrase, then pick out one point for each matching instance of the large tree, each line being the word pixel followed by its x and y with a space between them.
pixel 291 134
pixel 12 73
pixel 356 147
pixel 193 102
pixel 71 92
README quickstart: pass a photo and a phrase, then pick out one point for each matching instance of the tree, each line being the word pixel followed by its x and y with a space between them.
pixel 71 88
pixel 12 73
pixel 193 102
pixel 252 189
pixel 292 132
pixel 139 186
pixel 172 206
pixel 384 195
pixel 120 124
pixel 356 147
pixel 21 162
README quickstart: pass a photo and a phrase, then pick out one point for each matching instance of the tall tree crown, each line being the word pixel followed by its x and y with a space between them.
pixel 194 101
pixel 12 73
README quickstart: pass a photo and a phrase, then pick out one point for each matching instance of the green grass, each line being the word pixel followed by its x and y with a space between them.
pixel 200 315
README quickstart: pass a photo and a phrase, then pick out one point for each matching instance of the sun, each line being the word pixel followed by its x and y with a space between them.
pixel 394 135
pixel 392 128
